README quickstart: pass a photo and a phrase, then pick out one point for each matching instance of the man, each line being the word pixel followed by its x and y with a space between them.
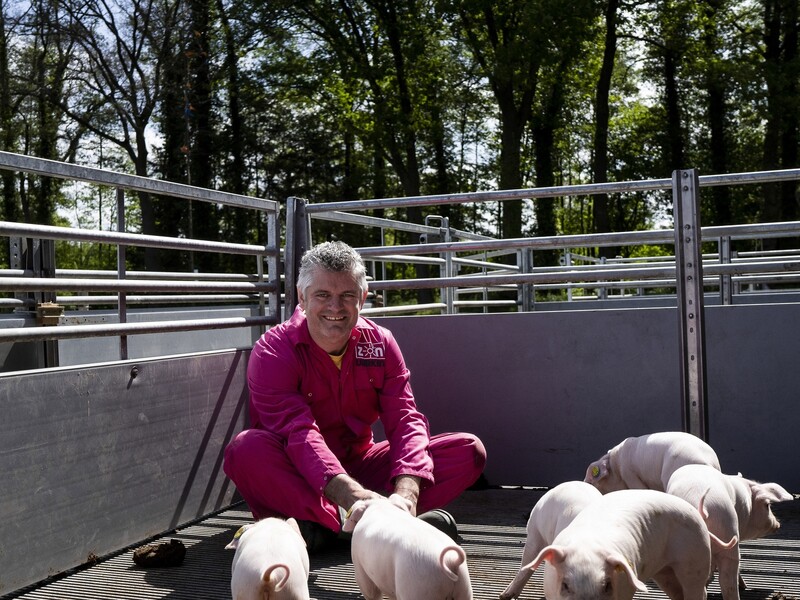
pixel 317 384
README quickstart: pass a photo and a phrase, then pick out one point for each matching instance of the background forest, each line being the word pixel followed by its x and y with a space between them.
pixel 353 99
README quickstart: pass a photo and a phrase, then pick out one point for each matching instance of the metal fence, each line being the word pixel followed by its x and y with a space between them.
pixel 687 272
pixel 33 283
pixel 470 272
pixel 471 277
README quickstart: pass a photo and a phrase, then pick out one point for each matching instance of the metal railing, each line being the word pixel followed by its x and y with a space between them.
pixel 687 272
pixel 38 295
pixel 467 265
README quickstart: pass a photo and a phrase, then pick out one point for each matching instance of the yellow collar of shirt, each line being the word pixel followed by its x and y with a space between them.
pixel 337 360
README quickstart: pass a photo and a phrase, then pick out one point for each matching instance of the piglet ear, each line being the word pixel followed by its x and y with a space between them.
pixel 552 554
pixel 771 492
pixel 623 567
pixel 354 516
pixel 234 543
pixel 597 470
pixel 291 522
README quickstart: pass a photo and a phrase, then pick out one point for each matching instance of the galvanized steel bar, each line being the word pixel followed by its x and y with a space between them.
pixel 161 275
pixel 51 232
pixel 660 236
pixel 63 332
pixel 557 275
pixel 298 240
pixel 122 251
pixel 689 266
pixel 60 170
pixel 367 221
pixel 155 300
pixel 130 285
pixel 494 196
pixel 554 191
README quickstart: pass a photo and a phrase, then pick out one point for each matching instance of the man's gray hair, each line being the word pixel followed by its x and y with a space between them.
pixel 336 257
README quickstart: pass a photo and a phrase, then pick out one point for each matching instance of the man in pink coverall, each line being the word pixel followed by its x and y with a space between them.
pixel 317 384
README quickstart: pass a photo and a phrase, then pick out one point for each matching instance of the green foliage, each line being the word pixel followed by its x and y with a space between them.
pixel 381 98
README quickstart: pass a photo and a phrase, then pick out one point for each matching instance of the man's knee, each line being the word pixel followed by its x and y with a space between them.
pixel 464 449
pixel 248 449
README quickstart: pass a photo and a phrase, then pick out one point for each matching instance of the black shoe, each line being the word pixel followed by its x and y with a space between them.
pixel 318 538
pixel 443 521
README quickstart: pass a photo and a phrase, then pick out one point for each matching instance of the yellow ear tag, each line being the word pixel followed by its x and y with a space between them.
pixel 595 471
pixel 239 533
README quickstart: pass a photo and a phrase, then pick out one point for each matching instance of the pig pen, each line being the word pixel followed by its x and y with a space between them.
pixel 491 525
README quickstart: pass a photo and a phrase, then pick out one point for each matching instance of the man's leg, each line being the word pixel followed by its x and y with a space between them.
pixel 268 481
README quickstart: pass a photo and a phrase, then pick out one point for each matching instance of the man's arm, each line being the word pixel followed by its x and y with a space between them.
pixel 346 491
pixel 407 486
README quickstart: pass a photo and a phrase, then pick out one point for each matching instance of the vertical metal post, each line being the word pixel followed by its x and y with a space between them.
pixel 449 292
pixel 122 297
pixel 725 287
pixel 689 281
pixel 526 289
pixel 298 240
pixel 274 264
pixel 47 250
pixel 37 257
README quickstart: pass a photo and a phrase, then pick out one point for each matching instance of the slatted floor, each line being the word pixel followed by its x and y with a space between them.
pixel 491 523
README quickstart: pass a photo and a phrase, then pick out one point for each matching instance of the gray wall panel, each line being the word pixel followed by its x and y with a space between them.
pixel 550 392
pixel 754 390
pixel 93 460
pixel 546 392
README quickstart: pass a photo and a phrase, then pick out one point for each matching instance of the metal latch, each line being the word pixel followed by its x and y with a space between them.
pixel 49 313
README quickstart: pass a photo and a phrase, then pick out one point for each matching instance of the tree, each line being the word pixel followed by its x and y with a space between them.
pixel 124 47
pixel 781 69
pixel 601 222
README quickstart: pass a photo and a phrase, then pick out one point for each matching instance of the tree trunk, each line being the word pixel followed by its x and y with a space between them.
pixel 7 126
pixel 601 222
pixel 717 115
pixel 789 142
pixel 205 221
pixel 672 102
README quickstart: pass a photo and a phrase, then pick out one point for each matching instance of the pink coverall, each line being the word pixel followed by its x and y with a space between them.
pixel 311 422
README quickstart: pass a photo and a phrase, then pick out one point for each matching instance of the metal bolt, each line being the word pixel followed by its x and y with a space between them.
pixel 134 372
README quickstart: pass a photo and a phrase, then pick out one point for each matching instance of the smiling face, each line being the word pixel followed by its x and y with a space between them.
pixel 332 302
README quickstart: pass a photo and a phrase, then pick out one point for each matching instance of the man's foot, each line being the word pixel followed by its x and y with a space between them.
pixel 318 538
pixel 443 521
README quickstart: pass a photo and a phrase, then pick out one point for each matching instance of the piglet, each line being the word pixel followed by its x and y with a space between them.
pixel 271 561
pixel 648 461
pixel 396 554
pixel 621 540
pixel 553 512
pixel 732 506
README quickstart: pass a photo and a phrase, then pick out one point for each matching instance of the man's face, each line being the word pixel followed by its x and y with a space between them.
pixel 332 303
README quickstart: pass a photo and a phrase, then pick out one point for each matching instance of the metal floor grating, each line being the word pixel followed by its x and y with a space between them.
pixel 491 524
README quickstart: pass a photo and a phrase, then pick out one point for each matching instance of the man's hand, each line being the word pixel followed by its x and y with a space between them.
pixel 407 486
pixel 345 491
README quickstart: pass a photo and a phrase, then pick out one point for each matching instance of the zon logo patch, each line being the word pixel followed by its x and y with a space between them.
pixel 370 351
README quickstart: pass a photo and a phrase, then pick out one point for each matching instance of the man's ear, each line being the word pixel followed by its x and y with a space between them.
pixel 301 299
